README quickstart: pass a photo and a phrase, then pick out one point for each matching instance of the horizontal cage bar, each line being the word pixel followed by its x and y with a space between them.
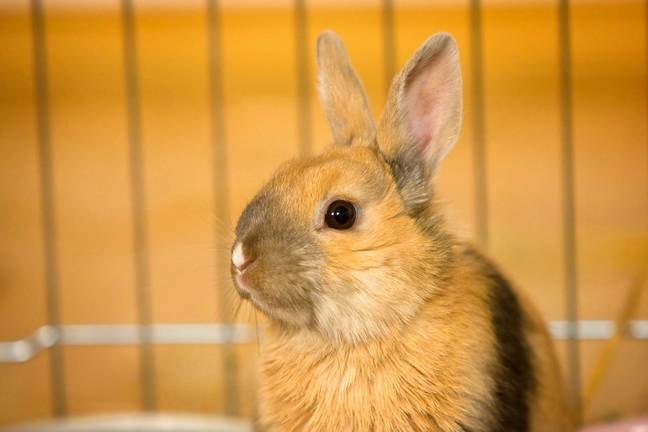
pixel 47 336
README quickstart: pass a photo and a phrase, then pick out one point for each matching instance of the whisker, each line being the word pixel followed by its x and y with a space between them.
pixel 237 310
pixel 232 304
pixel 256 328
pixel 398 215
pixel 223 230
pixel 374 247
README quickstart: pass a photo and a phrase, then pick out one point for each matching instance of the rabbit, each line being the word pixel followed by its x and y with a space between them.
pixel 379 318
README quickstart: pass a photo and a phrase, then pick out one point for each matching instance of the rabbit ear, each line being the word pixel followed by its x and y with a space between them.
pixel 422 117
pixel 342 94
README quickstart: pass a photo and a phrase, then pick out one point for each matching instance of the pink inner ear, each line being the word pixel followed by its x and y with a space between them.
pixel 432 104
pixel 423 106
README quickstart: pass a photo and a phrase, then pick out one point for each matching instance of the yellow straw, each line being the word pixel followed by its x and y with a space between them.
pixel 611 346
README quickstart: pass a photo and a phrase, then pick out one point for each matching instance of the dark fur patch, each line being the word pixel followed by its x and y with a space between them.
pixel 514 376
pixel 411 180
pixel 465 428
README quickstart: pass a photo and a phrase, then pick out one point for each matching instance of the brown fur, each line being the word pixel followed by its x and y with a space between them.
pixel 435 367
pixel 387 326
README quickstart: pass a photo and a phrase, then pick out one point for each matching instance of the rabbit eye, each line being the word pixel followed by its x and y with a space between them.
pixel 340 215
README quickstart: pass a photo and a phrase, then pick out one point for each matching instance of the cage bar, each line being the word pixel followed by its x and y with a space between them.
pixel 479 139
pixel 389 42
pixel 138 202
pixel 50 258
pixel 48 337
pixel 220 192
pixel 569 235
pixel 304 127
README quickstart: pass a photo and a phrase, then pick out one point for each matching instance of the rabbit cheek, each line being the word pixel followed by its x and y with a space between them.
pixel 277 290
pixel 285 269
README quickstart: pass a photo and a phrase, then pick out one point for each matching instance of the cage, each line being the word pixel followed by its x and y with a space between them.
pixel 132 133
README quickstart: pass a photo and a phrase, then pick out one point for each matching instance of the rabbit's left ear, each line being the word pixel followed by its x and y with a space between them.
pixel 422 117
pixel 342 94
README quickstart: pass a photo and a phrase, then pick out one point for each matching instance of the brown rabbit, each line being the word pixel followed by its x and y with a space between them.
pixel 379 318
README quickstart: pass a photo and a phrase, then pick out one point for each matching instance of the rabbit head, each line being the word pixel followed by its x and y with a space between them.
pixel 347 244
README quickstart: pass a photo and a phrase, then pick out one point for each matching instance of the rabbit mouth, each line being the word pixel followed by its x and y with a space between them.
pixel 241 287
pixel 292 310
pixel 254 297
pixel 247 291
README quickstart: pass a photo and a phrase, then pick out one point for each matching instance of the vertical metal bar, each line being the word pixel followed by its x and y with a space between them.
pixel 57 377
pixel 304 133
pixel 221 196
pixel 389 42
pixel 138 203
pixel 569 236
pixel 479 140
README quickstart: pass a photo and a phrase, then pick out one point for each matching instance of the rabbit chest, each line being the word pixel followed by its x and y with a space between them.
pixel 429 377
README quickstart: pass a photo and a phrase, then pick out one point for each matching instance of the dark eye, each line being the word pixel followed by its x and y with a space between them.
pixel 340 215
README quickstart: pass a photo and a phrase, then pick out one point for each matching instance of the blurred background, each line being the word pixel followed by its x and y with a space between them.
pixel 132 134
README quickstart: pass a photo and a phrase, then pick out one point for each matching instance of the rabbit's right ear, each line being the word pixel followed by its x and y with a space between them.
pixel 422 117
pixel 342 94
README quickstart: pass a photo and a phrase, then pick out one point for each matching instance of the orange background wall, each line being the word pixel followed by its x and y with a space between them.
pixel 91 183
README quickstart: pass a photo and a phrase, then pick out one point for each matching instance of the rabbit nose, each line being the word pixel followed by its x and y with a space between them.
pixel 240 261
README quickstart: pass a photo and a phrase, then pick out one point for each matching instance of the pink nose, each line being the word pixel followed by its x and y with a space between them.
pixel 240 261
